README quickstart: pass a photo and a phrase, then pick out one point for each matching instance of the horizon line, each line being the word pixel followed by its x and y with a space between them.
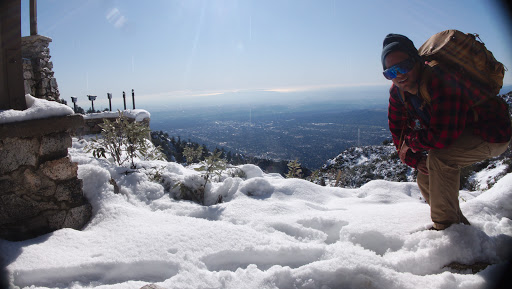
pixel 284 89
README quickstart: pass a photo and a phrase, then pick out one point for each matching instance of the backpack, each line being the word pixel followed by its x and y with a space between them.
pixel 455 51
pixel 462 52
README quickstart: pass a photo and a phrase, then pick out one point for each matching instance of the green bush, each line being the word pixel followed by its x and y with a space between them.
pixel 124 141
pixel 192 155
pixel 294 169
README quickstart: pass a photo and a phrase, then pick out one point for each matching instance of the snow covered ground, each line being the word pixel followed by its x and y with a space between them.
pixel 269 232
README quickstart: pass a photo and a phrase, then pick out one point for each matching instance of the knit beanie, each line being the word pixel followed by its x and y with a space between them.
pixel 396 42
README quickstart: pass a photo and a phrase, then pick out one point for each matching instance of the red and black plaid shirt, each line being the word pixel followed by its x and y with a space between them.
pixel 450 112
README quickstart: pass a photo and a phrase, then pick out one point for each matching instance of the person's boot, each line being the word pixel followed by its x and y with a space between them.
pixel 463 219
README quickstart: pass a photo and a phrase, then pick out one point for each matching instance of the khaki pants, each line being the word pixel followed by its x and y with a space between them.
pixel 440 187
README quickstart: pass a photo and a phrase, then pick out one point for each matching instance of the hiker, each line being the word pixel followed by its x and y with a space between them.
pixel 440 136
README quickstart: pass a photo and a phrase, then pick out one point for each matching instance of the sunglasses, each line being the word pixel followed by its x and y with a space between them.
pixel 402 68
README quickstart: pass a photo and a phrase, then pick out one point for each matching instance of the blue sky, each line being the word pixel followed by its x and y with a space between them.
pixel 170 49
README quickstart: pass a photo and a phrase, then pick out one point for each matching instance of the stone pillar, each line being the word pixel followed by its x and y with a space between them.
pixel 33 17
pixel 39 188
pixel 38 69
pixel 12 95
pixel 28 77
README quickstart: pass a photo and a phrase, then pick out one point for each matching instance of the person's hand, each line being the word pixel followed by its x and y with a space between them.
pixel 403 151
pixel 422 166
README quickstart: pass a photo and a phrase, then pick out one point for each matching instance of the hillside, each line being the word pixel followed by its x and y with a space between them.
pixel 360 165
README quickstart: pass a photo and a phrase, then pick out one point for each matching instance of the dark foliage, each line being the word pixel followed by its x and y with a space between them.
pixel 173 149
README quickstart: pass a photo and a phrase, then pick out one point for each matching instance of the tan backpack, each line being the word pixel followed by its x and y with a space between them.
pixel 458 51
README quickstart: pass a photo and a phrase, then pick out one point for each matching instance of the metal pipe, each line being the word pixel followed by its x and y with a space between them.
pixel 92 98
pixel 33 17
pixel 124 100
pixel 133 98
pixel 109 95
pixel 73 99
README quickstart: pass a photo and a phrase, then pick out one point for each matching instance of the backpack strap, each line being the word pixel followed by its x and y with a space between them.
pixel 426 76
pixel 402 98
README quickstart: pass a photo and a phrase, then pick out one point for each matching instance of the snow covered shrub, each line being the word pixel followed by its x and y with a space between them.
pixel 192 155
pixel 315 178
pixel 237 173
pixel 124 141
pixel 213 166
pixel 155 174
pixel 190 192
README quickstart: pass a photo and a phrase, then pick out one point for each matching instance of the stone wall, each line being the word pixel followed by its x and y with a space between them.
pixel 37 68
pixel 39 188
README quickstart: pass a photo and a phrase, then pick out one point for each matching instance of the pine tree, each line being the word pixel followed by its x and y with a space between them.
pixel 294 169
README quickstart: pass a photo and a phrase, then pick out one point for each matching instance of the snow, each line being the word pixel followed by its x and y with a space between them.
pixel 36 109
pixel 269 232
pixel 41 108
pixel 137 114
pixel 487 176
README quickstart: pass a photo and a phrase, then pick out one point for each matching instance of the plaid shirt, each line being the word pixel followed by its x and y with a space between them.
pixel 450 112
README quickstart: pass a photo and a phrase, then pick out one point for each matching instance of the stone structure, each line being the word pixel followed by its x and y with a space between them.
pixel 38 72
pixel 39 188
pixel 11 70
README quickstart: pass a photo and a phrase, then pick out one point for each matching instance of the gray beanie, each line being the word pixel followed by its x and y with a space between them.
pixel 396 42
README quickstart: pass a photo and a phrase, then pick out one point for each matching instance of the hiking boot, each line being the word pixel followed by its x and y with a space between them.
pixel 464 220
pixel 432 228
pixel 440 227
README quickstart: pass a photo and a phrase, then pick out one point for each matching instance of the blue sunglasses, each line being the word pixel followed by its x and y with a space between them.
pixel 402 68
